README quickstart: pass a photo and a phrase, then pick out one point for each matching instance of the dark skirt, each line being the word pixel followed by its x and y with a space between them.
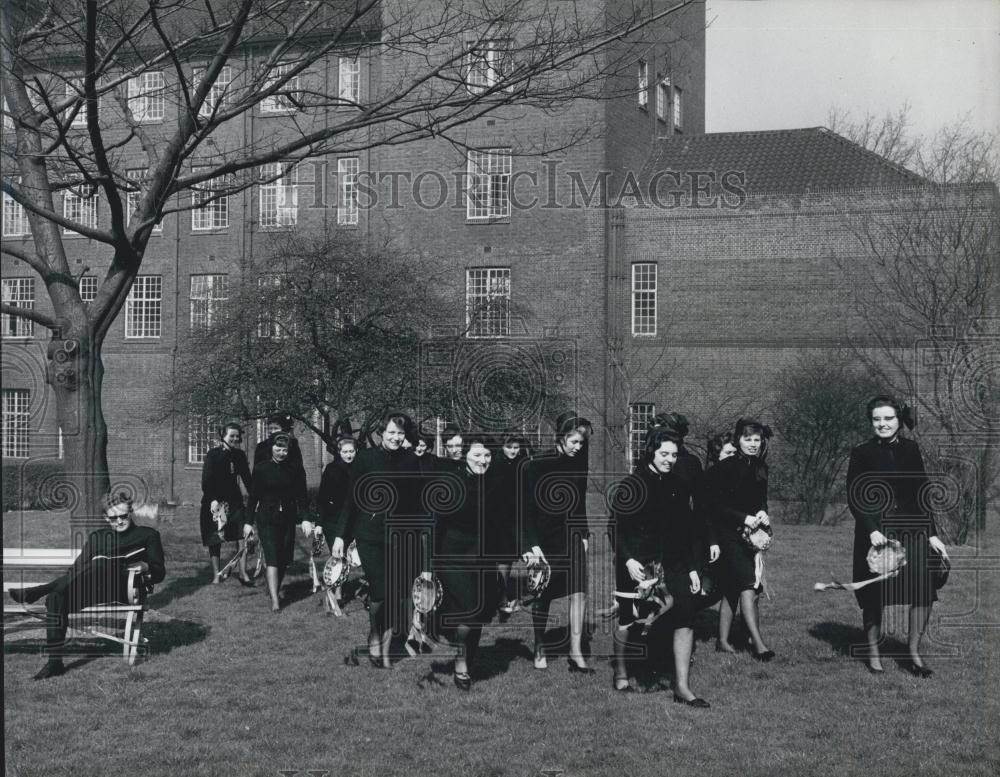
pixel 736 569
pixel 568 561
pixel 391 567
pixel 231 532
pixel 681 613
pixel 469 582
pixel 914 585
pixel 277 542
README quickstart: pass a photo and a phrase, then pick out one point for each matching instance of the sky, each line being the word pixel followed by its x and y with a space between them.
pixel 775 64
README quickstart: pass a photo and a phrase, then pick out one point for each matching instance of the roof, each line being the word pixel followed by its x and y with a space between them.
pixel 777 161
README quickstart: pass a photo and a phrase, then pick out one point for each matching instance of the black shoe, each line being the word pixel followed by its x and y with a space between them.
pixel 874 670
pixel 246 582
pixel 575 667
pixel 765 656
pixel 28 595
pixel 695 702
pixel 52 668
pixel 918 671
pixel 462 680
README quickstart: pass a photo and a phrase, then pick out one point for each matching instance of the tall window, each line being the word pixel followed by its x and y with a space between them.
pixel 19 292
pixel 662 99
pixel 678 111
pixel 74 90
pixel 279 196
pixel 284 99
pixel 15 221
pixel 349 83
pixel 145 96
pixel 201 435
pixel 347 177
pixel 133 196
pixel 643 72
pixel 640 415
pixel 489 184
pixel 644 298
pixel 208 300
pixel 486 64
pixel 88 288
pixel 276 319
pixel 80 205
pixel 487 302
pixel 142 307
pixel 211 209
pixel 218 95
pixel 16 419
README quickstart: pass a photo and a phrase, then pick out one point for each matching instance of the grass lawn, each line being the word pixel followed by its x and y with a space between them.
pixel 230 689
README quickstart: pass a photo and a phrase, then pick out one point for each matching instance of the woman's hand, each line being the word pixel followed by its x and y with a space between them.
pixel 215 505
pixel 307 528
pixel 635 570
pixel 695 582
pixel 751 521
pixel 426 576
pixel 877 538
pixel 338 547
pixel 586 545
pixel 763 518
pixel 713 554
pixel 247 530
pixel 936 543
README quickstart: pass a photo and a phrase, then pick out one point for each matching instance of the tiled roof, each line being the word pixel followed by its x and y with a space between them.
pixel 778 161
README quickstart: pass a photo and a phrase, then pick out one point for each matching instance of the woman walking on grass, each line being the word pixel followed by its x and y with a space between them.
pixel 224 467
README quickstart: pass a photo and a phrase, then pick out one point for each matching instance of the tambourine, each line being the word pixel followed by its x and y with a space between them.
pixel 336 571
pixel 427 594
pixel 886 559
pixel 318 544
pixel 759 538
pixel 220 514
pixel 539 573
pixel 352 554
pixel 652 583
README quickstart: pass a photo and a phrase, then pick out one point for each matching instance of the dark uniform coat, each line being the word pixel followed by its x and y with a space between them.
pixel 735 488
pixel 277 504
pixel 220 476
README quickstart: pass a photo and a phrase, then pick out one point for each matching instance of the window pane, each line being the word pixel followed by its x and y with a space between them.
pixel 644 298
pixel 347 205
pixel 142 307
pixel 16 420
pixel 488 194
pixel 640 415
pixel 487 302
pixel 19 292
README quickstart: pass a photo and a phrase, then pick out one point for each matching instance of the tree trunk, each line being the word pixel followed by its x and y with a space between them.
pixel 76 374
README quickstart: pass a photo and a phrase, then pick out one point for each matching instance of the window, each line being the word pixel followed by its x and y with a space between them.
pixel 640 415
pixel 88 288
pixel 19 292
pixel 489 184
pixel 208 300
pixel 486 64
pixel 276 320
pixel 74 90
pixel 201 436
pixel 16 417
pixel 279 196
pixel 8 119
pixel 643 83
pixel 678 112
pixel 349 86
pixel 662 99
pixel 211 206
pixel 347 177
pixel 145 96
pixel 218 95
pixel 15 221
pixel 284 99
pixel 80 205
pixel 644 298
pixel 136 179
pixel 487 302
pixel 142 307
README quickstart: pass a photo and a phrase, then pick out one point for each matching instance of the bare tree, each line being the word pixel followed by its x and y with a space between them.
pixel 81 79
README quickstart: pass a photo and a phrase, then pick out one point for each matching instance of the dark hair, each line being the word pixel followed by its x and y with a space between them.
pixel 715 446
pixel 449 431
pixel 675 422
pixel 345 438
pixel 281 419
pixel 903 412
pixel 281 439
pixel 227 427
pixel 567 423
pixel 402 420
pixel 477 439
pixel 654 440
pixel 745 426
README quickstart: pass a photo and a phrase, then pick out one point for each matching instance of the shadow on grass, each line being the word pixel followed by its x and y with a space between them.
pixel 849 641
pixel 490 661
pixel 179 587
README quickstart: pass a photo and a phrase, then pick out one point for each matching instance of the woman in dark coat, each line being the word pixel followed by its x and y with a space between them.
pixel 463 528
pixel 277 503
pixel 503 549
pixel 886 489
pixel 378 513
pixel 221 473
pixel 652 513
pixel 556 531
pixel 333 487
pixel 736 496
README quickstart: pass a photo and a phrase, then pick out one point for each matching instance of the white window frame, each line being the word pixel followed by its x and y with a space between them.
pixel 88 288
pixel 146 96
pixel 663 99
pixel 136 177
pixel 201 433
pixel 274 210
pixel 270 325
pixel 15 218
pixel 209 294
pixel 349 79
pixel 81 208
pixel 644 280
pixel 678 109
pixel 486 64
pixel 280 101
pixel 643 78
pixel 144 308
pixel 20 292
pixel 218 95
pixel 208 214
pixel 74 90
pixel 640 415
pixel 16 423
pixel 347 183
pixel 487 289
pixel 488 196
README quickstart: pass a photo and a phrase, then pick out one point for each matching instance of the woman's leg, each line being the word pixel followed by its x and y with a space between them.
pixel 872 619
pixel 620 638
pixel 214 555
pixel 273 583
pixel 503 585
pixel 240 545
pixel 577 611
pixel 539 620
pixel 683 643
pixel 748 603
pixel 726 609
pixel 919 616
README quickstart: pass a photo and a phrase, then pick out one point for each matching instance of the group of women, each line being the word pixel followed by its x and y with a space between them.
pixel 465 518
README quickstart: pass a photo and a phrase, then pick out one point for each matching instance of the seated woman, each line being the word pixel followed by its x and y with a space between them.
pixel 98 576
